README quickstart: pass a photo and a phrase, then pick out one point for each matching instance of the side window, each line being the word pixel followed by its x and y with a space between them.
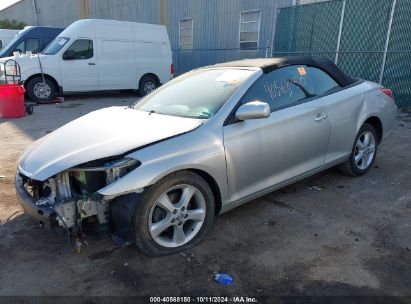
pixel 281 88
pixel 32 45
pixel 186 34
pixel 80 49
pixel 20 47
pixel 322 81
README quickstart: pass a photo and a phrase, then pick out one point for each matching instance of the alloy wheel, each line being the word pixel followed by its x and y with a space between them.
pixel 177 216
pixel 364 150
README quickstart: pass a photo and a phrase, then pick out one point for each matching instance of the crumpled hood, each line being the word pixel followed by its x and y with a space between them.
pixel 103 133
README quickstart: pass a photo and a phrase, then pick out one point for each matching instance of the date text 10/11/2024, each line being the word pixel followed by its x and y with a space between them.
pixel 203 299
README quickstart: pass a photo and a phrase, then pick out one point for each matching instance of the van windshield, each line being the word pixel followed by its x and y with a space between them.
pixel 197 94
pixel 56 45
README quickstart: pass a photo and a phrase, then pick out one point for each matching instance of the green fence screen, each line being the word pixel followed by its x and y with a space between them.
pixel 368 39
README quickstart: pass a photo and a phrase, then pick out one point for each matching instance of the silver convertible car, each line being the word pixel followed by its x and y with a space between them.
pixel 158 172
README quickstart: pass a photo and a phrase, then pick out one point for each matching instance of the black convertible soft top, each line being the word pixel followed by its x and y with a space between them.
pixel 270 64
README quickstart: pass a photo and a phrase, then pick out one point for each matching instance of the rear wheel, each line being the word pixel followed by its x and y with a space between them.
pixel 363 153
pixel 147 85
pixel 40 91
pixel 174 214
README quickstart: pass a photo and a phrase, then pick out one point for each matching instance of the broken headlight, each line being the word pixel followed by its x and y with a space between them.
pixel 92 176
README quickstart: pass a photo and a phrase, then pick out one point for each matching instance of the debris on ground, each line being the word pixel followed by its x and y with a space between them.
pixel 223 278
pixel 269 223
pixel 77 246
pixel 316 188
pixel 125 264
pixel 2 176
pixel 119 241
pixel 372 181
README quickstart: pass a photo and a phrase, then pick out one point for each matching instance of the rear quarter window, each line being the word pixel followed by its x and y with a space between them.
pixel 322 81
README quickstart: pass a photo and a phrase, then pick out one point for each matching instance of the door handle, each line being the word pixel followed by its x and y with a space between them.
pixel 320 117
pixel 91 63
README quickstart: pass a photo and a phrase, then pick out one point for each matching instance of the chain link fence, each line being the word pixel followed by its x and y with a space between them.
pixel 367 39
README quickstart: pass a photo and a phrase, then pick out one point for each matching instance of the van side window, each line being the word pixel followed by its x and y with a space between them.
pixel 282 88
pixel 80 49
pixel 30 44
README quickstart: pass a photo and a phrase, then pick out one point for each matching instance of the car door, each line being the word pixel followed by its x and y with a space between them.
pixel 264 152
pixel 78 65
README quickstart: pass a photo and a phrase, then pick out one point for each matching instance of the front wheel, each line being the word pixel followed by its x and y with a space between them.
pixel 41 91
pixel 363 153
pixel 174 214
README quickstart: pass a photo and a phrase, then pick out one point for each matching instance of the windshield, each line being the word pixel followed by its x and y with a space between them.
pixel 196 94
pixel 56 45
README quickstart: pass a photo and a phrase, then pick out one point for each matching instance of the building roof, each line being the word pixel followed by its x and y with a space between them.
pixel 270 64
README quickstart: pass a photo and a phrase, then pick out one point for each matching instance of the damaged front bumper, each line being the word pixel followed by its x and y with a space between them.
pixel 44 214
pixel 71 200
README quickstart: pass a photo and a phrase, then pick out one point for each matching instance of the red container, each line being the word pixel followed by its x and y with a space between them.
pixel 12 101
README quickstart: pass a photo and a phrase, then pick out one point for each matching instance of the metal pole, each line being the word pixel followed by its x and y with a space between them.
pixel 340 32
pixel 387 41
pixel 35 12
pixel 277 10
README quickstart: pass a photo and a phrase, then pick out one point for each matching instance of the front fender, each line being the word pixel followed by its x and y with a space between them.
pixel 26 74
pixel 195 150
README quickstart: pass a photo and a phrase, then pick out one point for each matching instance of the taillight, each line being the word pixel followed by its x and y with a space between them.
pixel 172 69
pixel 388 92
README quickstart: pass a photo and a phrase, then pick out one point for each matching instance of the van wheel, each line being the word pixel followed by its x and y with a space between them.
pixel 39 91
pixel 174 214
pixel 147 85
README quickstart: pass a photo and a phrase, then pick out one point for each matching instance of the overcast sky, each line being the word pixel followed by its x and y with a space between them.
pixel 5 3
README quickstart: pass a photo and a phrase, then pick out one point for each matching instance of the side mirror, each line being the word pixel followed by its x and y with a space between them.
pixel 253 110
pixel 69 55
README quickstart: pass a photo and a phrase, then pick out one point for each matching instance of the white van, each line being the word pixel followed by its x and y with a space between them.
pixel 6 36
pixel 96 55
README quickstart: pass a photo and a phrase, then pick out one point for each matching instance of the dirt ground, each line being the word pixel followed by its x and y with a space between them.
pixel 349 237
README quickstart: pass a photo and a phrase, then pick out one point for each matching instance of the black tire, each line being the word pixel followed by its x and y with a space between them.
pixel 144 241
pixel 147 85
pixel 349 167
pixel 49 95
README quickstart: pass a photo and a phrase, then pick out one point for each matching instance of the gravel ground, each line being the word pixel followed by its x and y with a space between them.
pixel 345 236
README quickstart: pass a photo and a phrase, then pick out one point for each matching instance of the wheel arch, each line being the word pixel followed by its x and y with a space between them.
pixel 376 123
pixel 214 187
pixel 47 76
pixel 151 75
